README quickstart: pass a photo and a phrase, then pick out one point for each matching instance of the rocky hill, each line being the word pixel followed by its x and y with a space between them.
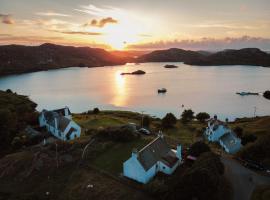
pixel 16 59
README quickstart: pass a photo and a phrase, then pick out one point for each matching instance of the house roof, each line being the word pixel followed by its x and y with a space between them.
pixel 230 140
pixel 62 122
pixel 61 111
pixel 157 150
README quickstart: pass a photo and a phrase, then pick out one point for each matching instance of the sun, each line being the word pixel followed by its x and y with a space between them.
pixel 120 36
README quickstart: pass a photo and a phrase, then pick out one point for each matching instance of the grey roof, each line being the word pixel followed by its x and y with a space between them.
pixel 61 111
pixel 62 122
pixel 230 140
pixel 157 150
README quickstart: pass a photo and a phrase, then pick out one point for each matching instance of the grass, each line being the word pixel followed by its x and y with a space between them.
pixel 113 158
pixel 184 134
pixel 258 126
pixel 261 193
pixel 106 119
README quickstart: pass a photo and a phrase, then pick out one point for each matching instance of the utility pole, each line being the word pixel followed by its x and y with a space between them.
pixel 255 109
pixel 142 119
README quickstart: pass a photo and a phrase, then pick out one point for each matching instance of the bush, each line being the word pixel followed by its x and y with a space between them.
pixel 187 115
pixel 238 131
pixel 96 111
pixel 118 134
pixel 146 121
pixel 266 94
pixel 198 148
pixel 248 138
pixel 258 151
pixel 202 116
pixel 168 121
pixel 204 180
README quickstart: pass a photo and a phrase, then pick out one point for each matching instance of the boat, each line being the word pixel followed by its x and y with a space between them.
pixel 247 93
pixel 162 90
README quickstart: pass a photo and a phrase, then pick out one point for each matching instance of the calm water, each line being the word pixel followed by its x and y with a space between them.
pixel 210 89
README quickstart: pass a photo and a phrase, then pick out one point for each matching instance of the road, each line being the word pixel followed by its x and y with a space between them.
pixel 239 176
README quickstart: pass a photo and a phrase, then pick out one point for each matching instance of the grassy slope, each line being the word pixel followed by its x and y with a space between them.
pixel 258 126
pixel 112 158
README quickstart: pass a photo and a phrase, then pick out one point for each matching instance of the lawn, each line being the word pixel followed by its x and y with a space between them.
pixel 113 158
pixel 184 134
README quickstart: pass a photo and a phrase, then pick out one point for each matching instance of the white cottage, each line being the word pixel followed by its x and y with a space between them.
pixel 59 123
pixel 155 157
pixel 218 131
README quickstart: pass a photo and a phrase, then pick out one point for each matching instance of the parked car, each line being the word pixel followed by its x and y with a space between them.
pixel 144 131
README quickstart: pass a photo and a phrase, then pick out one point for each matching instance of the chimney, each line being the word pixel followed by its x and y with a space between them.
pixel 134 153
pixel 66 111
pixel 179 152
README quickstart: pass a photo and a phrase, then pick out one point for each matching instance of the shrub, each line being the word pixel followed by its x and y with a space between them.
pixel 238 131
pixel 202 116
pixel 96 111
pixel 198 148
pixel 187 115
pixel 118 134
pixel 168 121
pixel 146 121
pixel 266 94
pixel 248 138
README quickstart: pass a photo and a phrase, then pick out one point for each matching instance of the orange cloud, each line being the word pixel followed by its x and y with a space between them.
pixel 101 23
pixel 6 19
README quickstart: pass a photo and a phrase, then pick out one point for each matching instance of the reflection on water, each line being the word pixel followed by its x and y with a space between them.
pixel 119 99
pixel 210 89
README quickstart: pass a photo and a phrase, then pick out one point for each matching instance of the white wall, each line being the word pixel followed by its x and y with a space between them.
pixel 134 170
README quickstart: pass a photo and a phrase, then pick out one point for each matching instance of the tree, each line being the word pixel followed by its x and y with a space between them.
pixel 169 120
pixel 266 94
pixel 202 116
pixel 96 111
pixel 198 148
pixel 238 131
pixel 187 115
pixel 146 121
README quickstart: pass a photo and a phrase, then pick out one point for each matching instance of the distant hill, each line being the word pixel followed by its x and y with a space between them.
pixel 16 59
pixel 170 55
pixel 247 56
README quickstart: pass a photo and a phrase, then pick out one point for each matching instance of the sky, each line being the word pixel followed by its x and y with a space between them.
pixel 137 25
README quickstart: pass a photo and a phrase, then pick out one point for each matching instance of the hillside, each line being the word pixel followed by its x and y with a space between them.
pixel 16 59
pixel 247 56
pixel 170 55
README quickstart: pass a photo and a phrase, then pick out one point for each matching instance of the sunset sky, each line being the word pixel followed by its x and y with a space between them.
pixel 140 25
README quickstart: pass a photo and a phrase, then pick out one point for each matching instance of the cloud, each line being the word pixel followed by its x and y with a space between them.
pixel 101 23
pixel 98 11
pixel 207 44
pixel 52 14
pixel 80 33
pixel 6 19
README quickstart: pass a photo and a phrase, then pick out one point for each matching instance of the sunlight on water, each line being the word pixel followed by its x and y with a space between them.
pixel 209 89
pixel 120 90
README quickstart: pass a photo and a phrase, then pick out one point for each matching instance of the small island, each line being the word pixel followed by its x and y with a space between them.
pixel 137 72
pixel 266 94
pixel 170 66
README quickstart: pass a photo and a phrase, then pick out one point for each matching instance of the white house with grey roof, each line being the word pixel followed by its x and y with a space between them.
pixel 155 157
pixel 218 131
pixel 59 123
